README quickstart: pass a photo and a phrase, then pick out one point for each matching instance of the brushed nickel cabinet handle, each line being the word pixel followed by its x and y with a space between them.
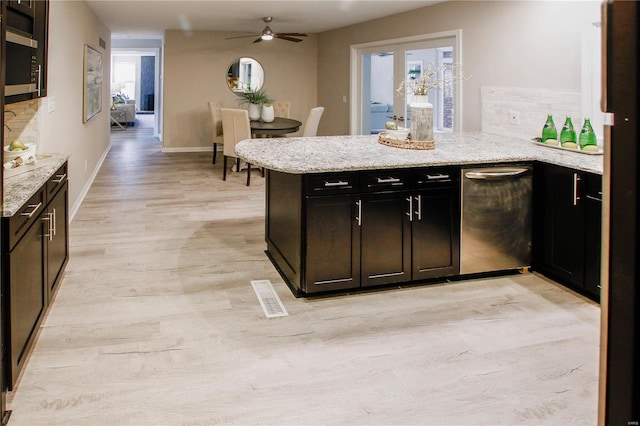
pixel 60 179
pixel 410 212
pixel 34 208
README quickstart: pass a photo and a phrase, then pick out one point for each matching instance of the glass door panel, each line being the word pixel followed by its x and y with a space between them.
pixel 382 69
pixel 377 91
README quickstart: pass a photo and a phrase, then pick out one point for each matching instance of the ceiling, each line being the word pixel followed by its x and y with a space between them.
pixel 149 18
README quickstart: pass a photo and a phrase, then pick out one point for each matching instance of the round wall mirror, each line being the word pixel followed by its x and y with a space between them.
pixel 245 75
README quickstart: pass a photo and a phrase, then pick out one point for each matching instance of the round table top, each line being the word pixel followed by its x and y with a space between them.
pixel 278 126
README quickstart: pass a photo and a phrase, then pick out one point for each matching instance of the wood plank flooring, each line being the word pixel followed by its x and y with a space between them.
pixel 156 323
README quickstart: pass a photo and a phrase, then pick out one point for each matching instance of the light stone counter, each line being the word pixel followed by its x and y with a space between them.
pixel 19 188
pixel 342 153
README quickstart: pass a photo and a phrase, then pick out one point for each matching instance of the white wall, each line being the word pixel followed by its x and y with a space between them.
pixel 195 69
pixel 71 25
pixel 504 43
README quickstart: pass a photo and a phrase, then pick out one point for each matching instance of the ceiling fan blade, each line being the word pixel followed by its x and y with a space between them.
pixel 244 36
pixel 293 34
pixel 258 40
pixel 284 37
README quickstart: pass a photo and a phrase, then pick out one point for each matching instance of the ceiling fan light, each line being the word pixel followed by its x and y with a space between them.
pixel 267 33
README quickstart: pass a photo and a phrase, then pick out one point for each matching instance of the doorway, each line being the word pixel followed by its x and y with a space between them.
pixel 135 80
pixel 378 68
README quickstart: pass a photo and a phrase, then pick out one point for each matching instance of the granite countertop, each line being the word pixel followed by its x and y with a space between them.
pixel 343 153
pixel 19 188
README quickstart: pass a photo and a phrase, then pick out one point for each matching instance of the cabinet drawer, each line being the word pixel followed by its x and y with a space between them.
pixel 22 220
pixel 436 177
pixel 385 180
pixel 56 182
pixel 332 183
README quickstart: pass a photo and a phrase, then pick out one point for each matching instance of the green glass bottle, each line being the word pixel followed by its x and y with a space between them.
pixel 588 136
pixel 549 130
pixel 568 135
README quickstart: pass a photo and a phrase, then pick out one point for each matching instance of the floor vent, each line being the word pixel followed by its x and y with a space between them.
pixel 268 298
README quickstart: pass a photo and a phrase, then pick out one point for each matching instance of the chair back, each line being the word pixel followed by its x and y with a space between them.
pixel 282 109
pixel 235 127
pixel 311 126
pixel 216 120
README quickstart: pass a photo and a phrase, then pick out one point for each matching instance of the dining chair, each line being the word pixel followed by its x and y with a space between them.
pixel 235 128
pixel 282 108
pixel 311 125
pixel 216 126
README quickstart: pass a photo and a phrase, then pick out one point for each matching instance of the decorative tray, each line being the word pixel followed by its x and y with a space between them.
pixel 385 139
pixel 538 141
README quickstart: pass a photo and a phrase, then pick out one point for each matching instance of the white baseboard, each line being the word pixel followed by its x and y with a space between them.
pixel 87 186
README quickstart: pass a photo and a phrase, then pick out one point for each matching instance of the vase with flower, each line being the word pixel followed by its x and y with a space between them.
pixel 255 100
pixel 421 127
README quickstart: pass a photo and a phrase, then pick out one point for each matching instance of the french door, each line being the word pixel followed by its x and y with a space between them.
pixel 377 70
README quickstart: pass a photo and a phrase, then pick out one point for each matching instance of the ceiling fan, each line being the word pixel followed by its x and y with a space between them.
pixel 268 34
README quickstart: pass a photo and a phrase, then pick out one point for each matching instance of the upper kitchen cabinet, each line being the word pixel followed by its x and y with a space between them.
pixel 26 33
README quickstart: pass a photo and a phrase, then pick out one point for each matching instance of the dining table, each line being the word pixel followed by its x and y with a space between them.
pixel 279 126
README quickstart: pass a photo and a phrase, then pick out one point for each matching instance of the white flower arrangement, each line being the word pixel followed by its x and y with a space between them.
pixel 432 78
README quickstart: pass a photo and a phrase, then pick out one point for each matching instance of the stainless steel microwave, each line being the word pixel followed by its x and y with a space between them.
pixel 23 74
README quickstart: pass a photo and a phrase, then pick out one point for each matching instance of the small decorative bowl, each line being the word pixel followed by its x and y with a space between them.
pixel 401 133
pixel 10 155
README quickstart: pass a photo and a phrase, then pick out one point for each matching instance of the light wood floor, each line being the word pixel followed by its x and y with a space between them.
pixel 156 323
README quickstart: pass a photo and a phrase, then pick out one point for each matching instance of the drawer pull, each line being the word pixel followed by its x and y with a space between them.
pixel 388 180
pixel 438 177
pixel 338 183
pixel 60 179
pixel 34 208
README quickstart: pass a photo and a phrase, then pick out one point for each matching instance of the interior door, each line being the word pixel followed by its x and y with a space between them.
pixel 383 68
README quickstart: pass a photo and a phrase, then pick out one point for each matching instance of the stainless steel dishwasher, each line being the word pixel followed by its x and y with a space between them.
pixel 496 218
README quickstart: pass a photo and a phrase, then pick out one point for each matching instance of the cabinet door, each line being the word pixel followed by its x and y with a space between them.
pixel 58 244
pixel 435 234
pixel 27 297
pixel 385 238
pixel 41 30
pixel 564 219
pixel 593 235
pixel 332 258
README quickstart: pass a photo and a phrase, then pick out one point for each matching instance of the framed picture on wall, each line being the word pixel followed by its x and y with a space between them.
pixel 92 92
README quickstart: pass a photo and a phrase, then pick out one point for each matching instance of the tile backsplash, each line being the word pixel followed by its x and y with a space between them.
pixel 22 119
pixel 531 105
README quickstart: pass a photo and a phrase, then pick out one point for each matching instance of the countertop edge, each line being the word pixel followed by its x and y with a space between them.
pixel 509 150
pixel 18 189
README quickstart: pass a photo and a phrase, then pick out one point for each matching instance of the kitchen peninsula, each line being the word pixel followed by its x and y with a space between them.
pixel 346 212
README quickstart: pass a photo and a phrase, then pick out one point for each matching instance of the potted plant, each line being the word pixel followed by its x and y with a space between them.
pixel 255 100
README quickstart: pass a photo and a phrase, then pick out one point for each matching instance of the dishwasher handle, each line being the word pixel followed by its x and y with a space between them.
pixel 496 174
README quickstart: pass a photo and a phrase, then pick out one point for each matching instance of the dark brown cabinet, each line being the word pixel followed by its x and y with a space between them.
pixel 57 234
pixel 26 296
pixel 340 231
pixel 384 209
pixel 332 244
pixel 567 241
pixel 593 234
pixel 435 239
pixel 35 250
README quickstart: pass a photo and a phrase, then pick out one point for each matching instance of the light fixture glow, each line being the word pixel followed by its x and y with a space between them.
pixel 267 33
